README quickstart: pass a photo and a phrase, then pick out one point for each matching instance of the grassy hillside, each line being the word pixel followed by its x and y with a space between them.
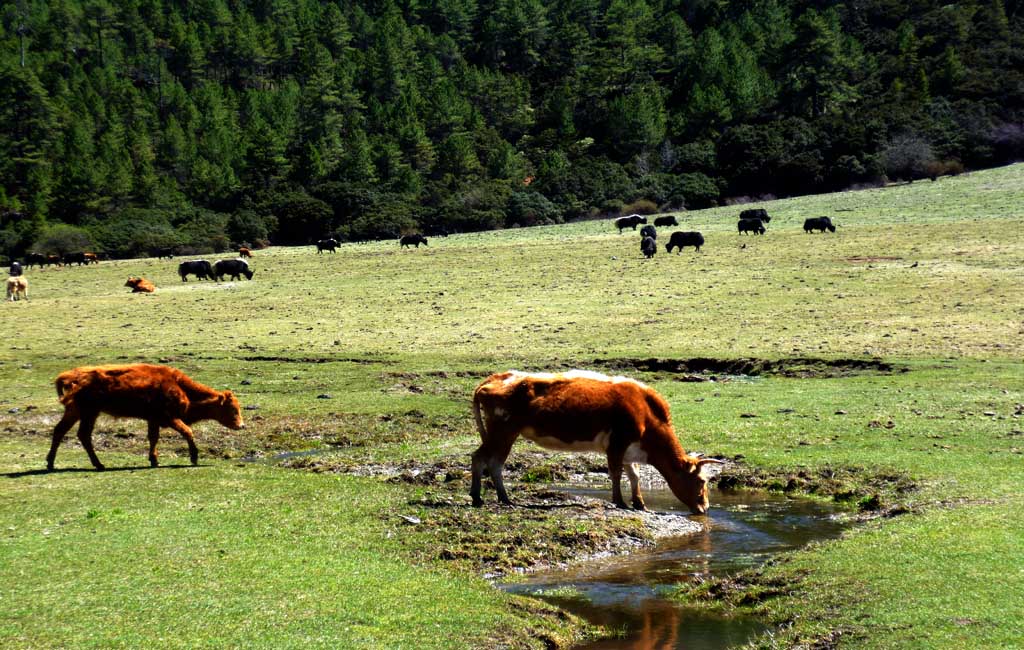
pixel 374 351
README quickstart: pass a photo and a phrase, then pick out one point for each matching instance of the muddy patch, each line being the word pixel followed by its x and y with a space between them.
pixel 704 369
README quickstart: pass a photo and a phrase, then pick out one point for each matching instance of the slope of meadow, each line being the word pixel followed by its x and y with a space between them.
pixel 374 350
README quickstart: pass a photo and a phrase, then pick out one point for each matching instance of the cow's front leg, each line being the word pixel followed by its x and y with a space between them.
pixel 186 433
pixel 634 484
pixel 154 437
pixel 615 471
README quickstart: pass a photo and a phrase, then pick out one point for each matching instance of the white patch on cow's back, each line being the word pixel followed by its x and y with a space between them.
pixel 515 376
pixel 597 376
pixel 599 443
pixel 634 454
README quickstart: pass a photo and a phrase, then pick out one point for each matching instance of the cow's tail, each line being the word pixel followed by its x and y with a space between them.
pixel 478 416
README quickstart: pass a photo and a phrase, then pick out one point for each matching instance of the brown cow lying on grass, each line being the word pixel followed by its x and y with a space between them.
pixel 17 288
pixel 160 395
pixel 140 285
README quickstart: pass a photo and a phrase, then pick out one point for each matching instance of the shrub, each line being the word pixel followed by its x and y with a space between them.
pixel 640 206
pixel 531 209
pixel 63 238
pixel 908 157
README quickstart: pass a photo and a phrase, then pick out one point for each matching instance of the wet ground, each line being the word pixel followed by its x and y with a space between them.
pixel 630 593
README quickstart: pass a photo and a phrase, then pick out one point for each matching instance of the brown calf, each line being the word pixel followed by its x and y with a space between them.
pixel 17 288
pixel 244 252
pixel 140 285
pixel 585 411
pixel 160 395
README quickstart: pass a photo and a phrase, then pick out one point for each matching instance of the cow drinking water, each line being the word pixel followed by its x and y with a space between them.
pixel 585 411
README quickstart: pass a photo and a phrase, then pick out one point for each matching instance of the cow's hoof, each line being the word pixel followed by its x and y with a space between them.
pixel 49 467
pixel 639 505
pixel 478 503
pixel 153 463
pixel 621 504
pixel 100 468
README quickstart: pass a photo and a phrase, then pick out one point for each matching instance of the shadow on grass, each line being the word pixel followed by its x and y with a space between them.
pixel 66 470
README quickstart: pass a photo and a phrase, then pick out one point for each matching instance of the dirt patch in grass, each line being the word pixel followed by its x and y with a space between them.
pixel 859 259
pixel 703 368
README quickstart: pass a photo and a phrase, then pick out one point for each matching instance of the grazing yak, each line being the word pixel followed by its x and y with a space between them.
pixel 666 221
pixel 648 247
pixel 202 269
pixel 244 252
pixel 53 260
pixel 413 239
pixel 819 223
pixel 74 258
pixel 756 213
pixel 649 231
pixel 585 411
pixel 161 253
pixel 160 395
pixel 326 245
pixel 35 259
pixel 140 285
pixel 632 221
pixel 232 268
pixel 750 225
pixel 91 258
pixel 684 239
pixel 17 288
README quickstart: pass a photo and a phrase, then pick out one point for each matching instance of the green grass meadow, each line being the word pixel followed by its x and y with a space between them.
pixel 373 352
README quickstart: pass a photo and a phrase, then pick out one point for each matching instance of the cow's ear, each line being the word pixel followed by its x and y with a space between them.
pixel 225 397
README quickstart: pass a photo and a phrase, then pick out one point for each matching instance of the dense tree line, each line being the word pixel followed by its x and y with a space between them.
pixel 136 124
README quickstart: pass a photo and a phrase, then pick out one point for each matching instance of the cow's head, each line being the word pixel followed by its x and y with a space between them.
pixel 690 482
pixel 228 411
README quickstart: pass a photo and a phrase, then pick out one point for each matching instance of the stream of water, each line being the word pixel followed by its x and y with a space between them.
pixel 629 593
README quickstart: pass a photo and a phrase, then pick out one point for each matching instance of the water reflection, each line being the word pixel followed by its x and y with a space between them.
pixel 743 529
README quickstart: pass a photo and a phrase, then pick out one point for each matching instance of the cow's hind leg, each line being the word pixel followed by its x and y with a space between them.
pixel 493 458
pixel 59 431
pixel 186 433
pixel 85 428
pixel 154 438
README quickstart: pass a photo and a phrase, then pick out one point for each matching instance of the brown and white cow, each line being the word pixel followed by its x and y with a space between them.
pixel 17 288
pixel 140 285
pixel 160 395
pixel 585 411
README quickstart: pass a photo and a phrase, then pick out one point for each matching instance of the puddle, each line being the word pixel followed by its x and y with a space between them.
pixel 629 593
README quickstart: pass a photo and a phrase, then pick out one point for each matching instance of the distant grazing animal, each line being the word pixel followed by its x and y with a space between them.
pixel 17 288
pixel 666 221
pixel 244 252
pixel 160 395
pixel 750 225
pixel 818 223
pixel 91 258
pixel 756 213
pixel 684 239
pixel 199 268
pixel 326 245
pixel 53 259
pixel 162 253
pixel 649 231
pixel 74 258
pixel 648 247
pixel 414 239
pixel 140 285
pixel 585 411
pixel 232 268
pixel 35 259
pixel 632 221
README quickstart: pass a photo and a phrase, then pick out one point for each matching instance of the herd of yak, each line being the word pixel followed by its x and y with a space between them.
pixel 751 221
